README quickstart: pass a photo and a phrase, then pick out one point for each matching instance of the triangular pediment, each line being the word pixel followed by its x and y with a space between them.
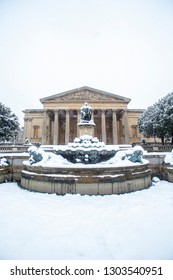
pixel 85 94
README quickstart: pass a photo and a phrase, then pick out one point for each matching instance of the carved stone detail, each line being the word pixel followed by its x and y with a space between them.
pixel 85 95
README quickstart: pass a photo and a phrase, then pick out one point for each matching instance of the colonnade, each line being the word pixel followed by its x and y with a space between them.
pixel 51 128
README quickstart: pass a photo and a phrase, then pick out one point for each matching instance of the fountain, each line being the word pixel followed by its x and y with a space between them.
pixel 87 148
pixel 85 166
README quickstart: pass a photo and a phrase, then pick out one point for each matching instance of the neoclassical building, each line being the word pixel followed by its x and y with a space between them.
pixel 57 122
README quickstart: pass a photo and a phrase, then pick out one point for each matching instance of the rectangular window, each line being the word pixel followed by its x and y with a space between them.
pixel 36 131
pixel 134 131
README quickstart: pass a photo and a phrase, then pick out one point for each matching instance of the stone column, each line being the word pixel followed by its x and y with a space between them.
pixel 78 121
pixel 126 130
pixel 103 126
pixel 120 131
pixel 25 135
pixel 44 127
pixel 49 129
pixel 28 128
pixel 114 127
pixel 56 127
pixel 67 126
pixel 29 131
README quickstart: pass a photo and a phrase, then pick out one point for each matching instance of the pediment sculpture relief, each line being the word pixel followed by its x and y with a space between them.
pixel 85 95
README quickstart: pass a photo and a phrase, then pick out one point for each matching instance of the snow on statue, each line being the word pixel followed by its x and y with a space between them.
pixel 137 154
pixel 36 154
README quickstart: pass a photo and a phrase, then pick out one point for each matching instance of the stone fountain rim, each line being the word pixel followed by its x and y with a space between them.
pixel 86 166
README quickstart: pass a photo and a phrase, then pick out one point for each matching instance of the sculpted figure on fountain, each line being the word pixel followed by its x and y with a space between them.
pixel 36 154
pixel 137 154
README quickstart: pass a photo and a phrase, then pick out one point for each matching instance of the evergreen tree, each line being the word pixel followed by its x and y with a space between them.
pixel 8 123
pixel 157 120
pixel 168 115
pixel 145 123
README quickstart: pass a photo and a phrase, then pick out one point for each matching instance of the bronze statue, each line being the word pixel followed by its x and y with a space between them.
pixel 86 113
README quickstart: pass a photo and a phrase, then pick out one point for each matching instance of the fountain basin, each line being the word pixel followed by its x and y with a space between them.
pixel 86 179
pixel 168 167
pixel 86 150
pixel 168 173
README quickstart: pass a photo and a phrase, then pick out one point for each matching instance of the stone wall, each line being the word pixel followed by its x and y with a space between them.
pixel 16 165
pixel 156 164
pixel 5 174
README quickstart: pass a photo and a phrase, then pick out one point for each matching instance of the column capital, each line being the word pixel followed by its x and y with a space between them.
pixel 67 110
pixel 114 110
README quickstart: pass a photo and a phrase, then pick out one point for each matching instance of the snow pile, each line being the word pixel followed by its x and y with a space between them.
pixel 138 148
pixel 3 161
pixel 130 226
pixel 155 180
pixel 168 160
pixel 85 143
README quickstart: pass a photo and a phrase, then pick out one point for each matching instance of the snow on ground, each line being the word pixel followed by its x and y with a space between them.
pixel 46 226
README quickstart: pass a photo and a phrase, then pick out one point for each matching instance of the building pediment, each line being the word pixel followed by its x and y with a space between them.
pixel 85 94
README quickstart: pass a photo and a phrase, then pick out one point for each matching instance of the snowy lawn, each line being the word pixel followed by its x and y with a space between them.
pixel 42 226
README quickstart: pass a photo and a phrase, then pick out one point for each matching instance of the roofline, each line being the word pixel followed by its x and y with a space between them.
pixel 136 110
pixel 45 99
pixel 33 110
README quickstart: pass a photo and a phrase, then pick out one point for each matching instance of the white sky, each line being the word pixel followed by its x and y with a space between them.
pixel 120 46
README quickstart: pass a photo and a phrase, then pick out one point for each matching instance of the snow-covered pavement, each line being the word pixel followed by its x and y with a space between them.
pixel 130 226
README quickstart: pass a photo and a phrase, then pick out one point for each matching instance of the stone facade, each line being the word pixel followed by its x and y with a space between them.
pixel 57 122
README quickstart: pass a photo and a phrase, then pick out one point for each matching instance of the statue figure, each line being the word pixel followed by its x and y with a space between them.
pixel 86 113
pixel 137 155
pixel 27 142
pixel 36 154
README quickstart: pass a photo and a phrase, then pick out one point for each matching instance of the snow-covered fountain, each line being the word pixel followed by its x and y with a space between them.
pixel 86 166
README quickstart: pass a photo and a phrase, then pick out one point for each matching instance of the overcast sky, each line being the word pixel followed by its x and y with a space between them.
pixel 50 46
